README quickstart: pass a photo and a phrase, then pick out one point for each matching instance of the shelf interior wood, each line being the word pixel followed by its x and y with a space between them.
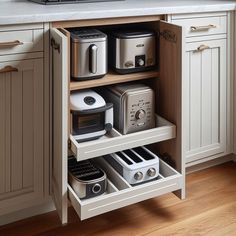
pixel 113 78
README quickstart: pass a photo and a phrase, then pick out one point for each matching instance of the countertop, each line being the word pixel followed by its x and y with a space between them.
pixel 28 12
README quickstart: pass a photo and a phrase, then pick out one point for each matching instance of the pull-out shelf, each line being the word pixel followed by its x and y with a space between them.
pixel 120 193
pixel 115 141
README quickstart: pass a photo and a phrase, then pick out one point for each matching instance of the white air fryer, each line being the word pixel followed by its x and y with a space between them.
pixel 91 116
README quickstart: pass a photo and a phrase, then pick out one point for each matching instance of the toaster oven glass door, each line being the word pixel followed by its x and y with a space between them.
pixel 83 124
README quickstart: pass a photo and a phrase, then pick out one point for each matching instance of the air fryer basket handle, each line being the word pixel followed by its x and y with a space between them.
pixel 93 58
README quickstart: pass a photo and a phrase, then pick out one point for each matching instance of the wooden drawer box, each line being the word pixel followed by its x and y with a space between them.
pixel 21 41
pixel 203 26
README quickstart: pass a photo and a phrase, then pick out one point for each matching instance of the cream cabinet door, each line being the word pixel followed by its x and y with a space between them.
pixel 205 99
pixel 60 76
pixel 21 134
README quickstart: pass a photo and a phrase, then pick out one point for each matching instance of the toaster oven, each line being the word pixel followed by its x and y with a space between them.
pixel 134 106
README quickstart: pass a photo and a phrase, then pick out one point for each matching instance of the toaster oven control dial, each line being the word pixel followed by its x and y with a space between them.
pixel 138 176
pixel 140 114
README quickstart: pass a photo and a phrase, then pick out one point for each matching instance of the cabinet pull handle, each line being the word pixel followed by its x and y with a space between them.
pixel 56 46
pixel 202 28
pixel 202 48
pixel 10 44
pixel 8 69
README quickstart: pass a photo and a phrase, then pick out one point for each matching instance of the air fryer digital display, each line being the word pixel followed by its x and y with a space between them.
pixel 83 124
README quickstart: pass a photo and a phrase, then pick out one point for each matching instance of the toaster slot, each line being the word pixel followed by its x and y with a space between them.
pixel 133 156
pixel 124 158
pixel 143 153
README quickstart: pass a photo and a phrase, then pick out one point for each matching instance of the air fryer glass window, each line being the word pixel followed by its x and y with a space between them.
pixel 83 124
pixel 89 121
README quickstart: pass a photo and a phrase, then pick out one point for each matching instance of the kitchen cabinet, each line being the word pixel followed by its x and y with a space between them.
pixel 166 137
pixel 206 79
pixel 206 99
pixel 24 121
pixel 21 134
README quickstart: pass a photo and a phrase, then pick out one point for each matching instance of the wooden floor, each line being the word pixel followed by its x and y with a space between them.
pixel 210 209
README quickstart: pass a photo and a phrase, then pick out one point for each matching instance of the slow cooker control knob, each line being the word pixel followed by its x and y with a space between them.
pixel 140 62
pixel 138 176
pixel 140 114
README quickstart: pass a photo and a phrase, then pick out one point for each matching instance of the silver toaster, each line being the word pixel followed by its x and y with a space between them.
pixel 134 107
pixel 136 165
pixel 132 50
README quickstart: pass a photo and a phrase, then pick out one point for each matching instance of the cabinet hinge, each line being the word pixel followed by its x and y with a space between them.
pixel 55 45
pixel 168 35
pixel 69 144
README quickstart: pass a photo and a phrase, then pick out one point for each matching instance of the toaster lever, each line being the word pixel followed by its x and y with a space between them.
pixel 93 58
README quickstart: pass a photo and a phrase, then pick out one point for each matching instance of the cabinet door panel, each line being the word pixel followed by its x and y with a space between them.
pixel 170 89
pixel 21 134
pixel 205 83
pixel 60 73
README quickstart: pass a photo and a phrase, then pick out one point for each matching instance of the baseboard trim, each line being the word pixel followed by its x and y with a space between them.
pixel 210 163
pixel 44 207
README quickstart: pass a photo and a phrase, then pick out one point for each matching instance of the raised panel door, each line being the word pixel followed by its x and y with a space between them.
pixel 21 134
pixel 205 99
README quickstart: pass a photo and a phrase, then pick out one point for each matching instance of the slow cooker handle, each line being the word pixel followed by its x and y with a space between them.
pixel 93 58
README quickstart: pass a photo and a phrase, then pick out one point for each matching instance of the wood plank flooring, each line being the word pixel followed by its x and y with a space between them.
pixel 209 209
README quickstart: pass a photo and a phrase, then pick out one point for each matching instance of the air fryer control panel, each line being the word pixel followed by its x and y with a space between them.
pixel 139 112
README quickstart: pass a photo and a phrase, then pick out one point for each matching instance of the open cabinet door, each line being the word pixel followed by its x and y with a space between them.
pixel 60 73
pixel 170 90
